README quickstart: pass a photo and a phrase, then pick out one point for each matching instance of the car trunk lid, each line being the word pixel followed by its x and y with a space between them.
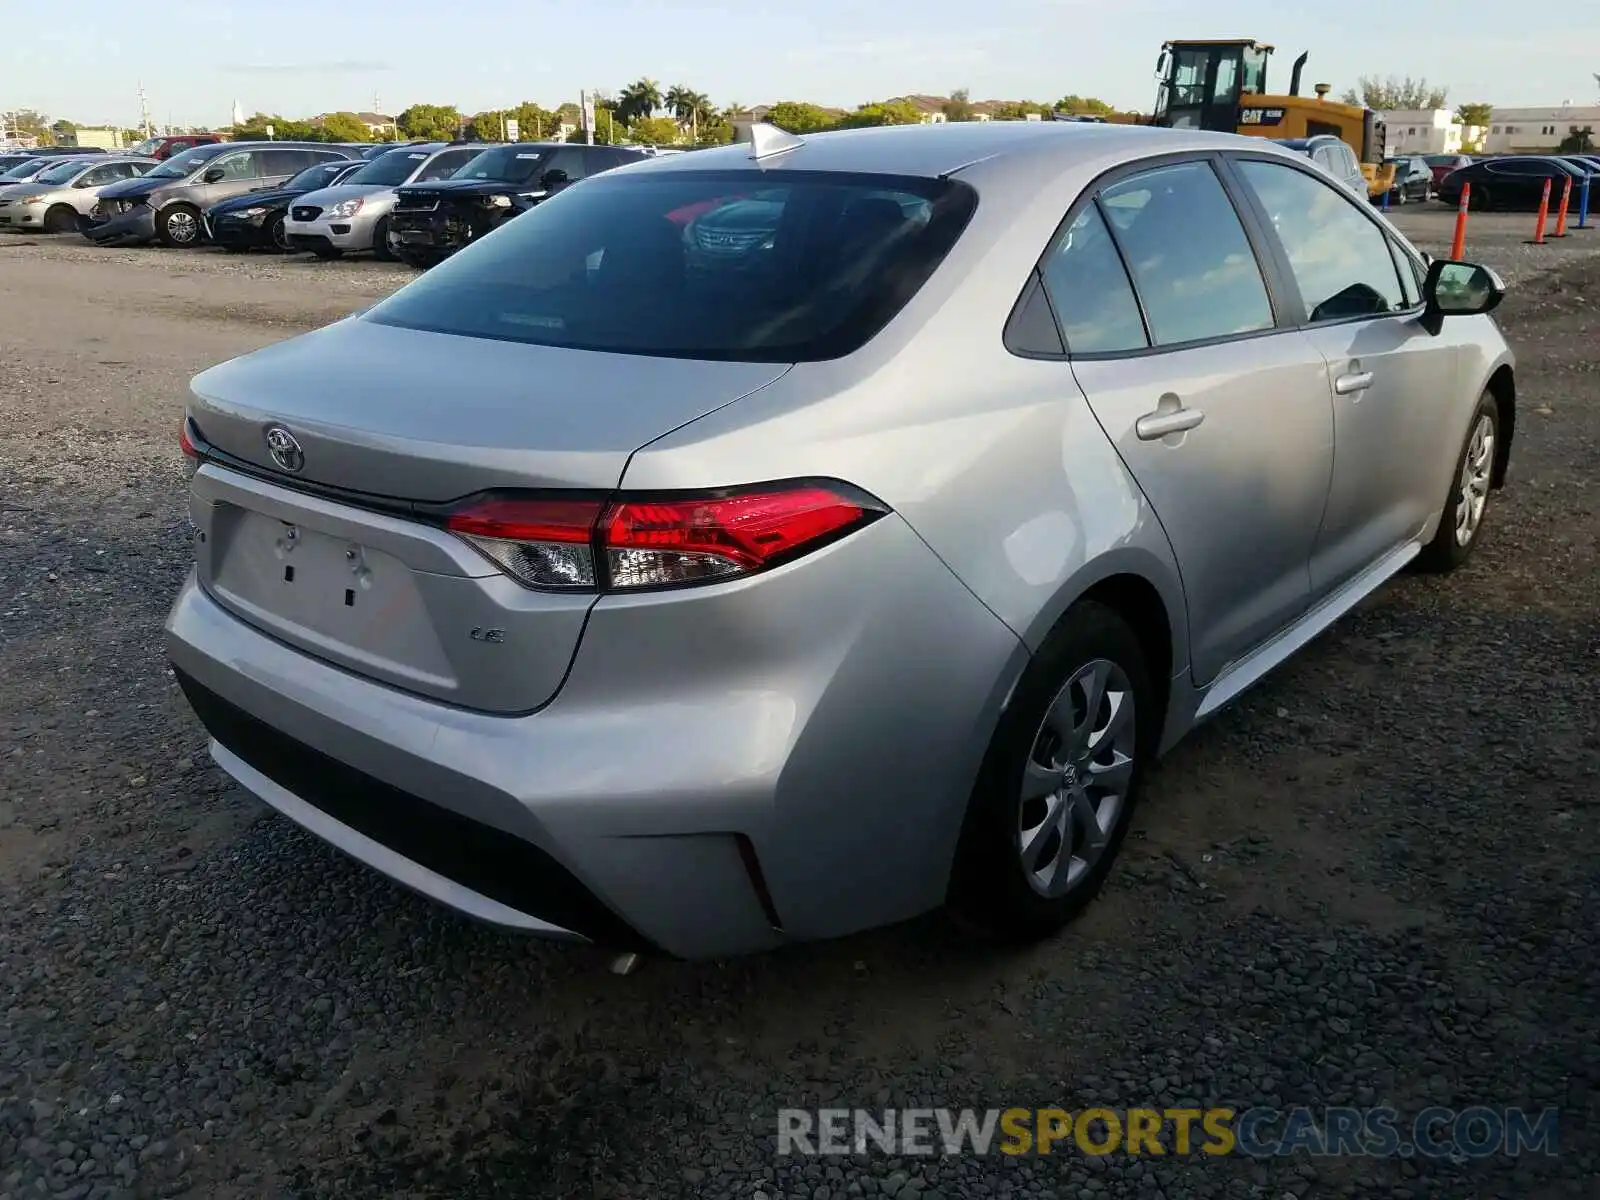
pixel 344 557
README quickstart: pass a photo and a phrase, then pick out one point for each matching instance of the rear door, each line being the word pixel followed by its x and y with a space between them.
pixel 1219 411
pixel 1391 382
pixel 279 166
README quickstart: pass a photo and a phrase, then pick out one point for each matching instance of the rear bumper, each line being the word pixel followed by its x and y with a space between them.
pixel 826 729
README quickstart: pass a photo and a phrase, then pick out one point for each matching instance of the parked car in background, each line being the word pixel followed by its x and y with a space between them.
pixel 1513 181
pixel 431 221
pixel 1585 163
pixel 1333 156
pixel 167 146
pixel 165 205
pixel 1413 180
pixel 61 198
pixel 606 600
pixel 354 216
pixel 30 169
pixel 255 219
pixel 1441 165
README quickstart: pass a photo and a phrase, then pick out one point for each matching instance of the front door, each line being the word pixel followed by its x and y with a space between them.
pixel 1362 303
pixel 1222 417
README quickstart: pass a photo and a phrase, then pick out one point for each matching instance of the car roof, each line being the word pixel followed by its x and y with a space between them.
pixel 937 150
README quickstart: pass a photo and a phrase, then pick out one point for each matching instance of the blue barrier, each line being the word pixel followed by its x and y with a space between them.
pixel 1583 201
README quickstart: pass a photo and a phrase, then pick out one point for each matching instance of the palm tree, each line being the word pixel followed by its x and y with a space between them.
pixel 689 107
pixel 640 98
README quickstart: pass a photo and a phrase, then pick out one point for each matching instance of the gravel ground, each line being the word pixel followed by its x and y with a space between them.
pixel 1367 883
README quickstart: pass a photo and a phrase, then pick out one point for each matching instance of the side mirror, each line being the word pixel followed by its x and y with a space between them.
pixel 214 175
pixel 1458 289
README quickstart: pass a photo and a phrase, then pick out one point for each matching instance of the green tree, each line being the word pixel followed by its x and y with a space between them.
pixel 1083 106
pixel 609 127
pixel 793 116
pixel 1579 142
pixel 534 123
pixel 61 130
pixel 654 131
pixel 1474 114
pixel 283 129
pixel 1018 110
pixel 30 123
pixel 1386 95
pixel 640 98
pixel 345 127
pixel 959 106
pixel 690 107
pixel 433 122
pixel 895 112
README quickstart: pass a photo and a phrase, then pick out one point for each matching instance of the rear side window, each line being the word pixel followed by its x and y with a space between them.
pixel 284 162
pixel 1090 292
pixel 1189 255
pixel 785 266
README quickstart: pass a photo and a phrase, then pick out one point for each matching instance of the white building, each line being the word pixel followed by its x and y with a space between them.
pixel 1426 131
pixel 1540 130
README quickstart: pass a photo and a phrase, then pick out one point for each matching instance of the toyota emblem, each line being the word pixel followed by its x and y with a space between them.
pixel 285 449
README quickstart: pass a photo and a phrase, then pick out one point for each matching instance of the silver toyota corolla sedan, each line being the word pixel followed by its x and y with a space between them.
pixel 771 542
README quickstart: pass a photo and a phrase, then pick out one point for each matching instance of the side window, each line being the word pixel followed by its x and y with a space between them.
pixel 1341 260
pixel 239 166
pixel 446 164
pixel 1090 292
pixel 313 157
pixel 1191 262
pixel 284 162
pixel 106 174
pixel 570 161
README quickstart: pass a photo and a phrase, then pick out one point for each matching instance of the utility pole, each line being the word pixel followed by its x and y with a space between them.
pixel 144 111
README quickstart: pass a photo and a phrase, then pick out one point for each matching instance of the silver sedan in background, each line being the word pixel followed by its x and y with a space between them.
pixel 677 570
pixel 63 194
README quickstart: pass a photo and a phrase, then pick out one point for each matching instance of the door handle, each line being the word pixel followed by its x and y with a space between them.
pixel 1356 381
pixel 1154 426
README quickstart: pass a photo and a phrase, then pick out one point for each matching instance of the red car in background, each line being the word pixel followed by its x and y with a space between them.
pixel 165 147
pixel 1442 164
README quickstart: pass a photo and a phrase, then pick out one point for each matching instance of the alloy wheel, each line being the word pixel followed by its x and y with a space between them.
pixel 1477 468
pixel 182 227
pixel 1077 777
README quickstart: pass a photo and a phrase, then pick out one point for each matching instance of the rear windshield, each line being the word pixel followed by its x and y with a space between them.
pixel 787 266
pixel 391 169
pixel 504 164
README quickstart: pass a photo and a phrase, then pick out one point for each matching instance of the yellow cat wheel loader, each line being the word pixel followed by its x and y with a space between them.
pixel 1221 85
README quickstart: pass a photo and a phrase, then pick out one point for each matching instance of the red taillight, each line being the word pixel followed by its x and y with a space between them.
pixel 632 543
pixel 192 457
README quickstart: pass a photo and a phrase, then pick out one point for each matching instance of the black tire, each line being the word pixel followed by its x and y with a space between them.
pixel 178 226
pixel 328 253
pixel 276 238
pixel 62 218
pixel 1447 550
pixel 1480 200
pixel 989 885
pixel 380 242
